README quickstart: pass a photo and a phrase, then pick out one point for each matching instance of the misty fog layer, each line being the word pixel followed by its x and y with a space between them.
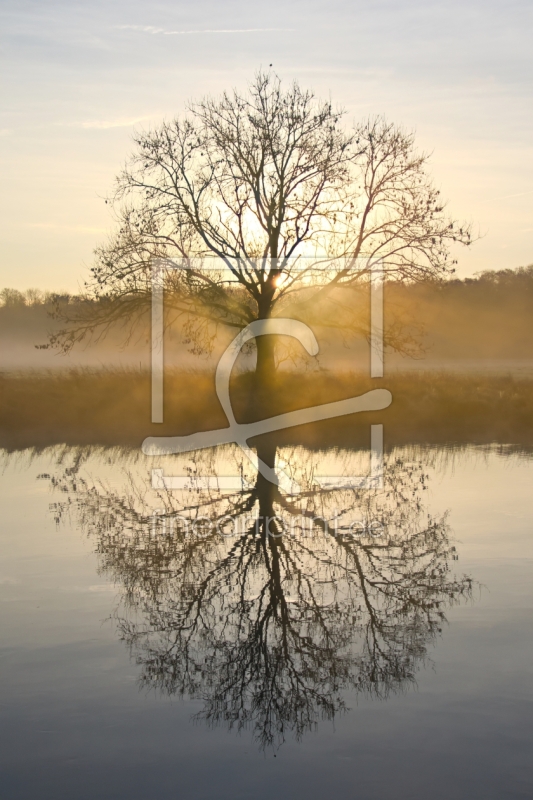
pixel 480 324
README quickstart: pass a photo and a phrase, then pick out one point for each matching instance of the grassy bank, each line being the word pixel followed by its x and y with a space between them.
pixel 113 408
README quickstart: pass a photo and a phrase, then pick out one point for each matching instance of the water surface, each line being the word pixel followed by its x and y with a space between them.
pixel 139 661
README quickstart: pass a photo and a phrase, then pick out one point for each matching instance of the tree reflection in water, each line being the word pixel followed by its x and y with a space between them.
pixel 270 630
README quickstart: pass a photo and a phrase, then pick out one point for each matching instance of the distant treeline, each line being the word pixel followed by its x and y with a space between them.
pixel 485 317
pixel 488 316
pixel 492 286
pixel 13 298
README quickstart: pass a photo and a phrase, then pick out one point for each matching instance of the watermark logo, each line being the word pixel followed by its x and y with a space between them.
pixel 240 434
pixel 276 526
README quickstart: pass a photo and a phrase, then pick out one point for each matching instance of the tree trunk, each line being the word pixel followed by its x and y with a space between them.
pixel 266 365
pixel 265 375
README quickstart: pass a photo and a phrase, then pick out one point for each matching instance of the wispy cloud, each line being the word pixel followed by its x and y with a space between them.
pixel 141 28
pixel 104 124
pixel 54 226
pixel 152 30
pixel 507 196
pixel 111 123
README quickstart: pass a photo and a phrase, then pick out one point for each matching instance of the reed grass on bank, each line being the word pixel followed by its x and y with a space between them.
pixel 112 408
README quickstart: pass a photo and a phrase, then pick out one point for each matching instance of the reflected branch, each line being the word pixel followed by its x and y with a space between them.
pixel 272 624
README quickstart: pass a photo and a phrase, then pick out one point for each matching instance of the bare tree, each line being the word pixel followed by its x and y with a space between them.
pixel 293 206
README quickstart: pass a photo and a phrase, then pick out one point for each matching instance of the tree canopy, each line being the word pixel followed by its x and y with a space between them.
pixel 264 201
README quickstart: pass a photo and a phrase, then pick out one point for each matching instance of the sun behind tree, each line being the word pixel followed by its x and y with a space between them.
pixel 292 206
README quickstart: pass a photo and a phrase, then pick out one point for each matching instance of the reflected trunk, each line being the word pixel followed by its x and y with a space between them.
pixel 266 491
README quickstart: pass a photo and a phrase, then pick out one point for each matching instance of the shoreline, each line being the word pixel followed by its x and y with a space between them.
pixel 112 408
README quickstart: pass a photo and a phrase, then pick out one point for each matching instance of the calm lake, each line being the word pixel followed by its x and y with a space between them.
pixel 373 643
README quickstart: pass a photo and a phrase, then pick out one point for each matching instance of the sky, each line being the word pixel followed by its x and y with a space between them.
pixel 77 78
